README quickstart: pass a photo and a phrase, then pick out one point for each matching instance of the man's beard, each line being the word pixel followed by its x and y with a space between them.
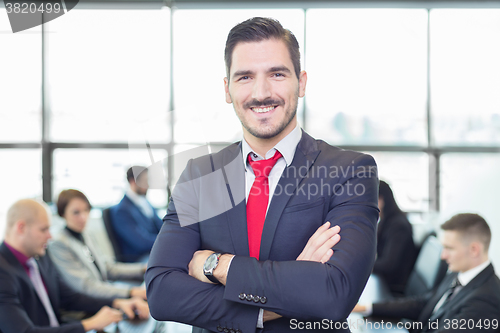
pixel 288 117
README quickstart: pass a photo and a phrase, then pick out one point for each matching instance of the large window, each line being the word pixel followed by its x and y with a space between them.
pixel 108 75
pixel 367 75
pixel 20 83
pixel 101 173
pixel 465 74
pixel 21 178
pixel 417 88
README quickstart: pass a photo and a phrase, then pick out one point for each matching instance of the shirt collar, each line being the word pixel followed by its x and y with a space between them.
pixel 286 147
pixel 136 198
pixel 467 276
pixel 21 257
pixel 75 234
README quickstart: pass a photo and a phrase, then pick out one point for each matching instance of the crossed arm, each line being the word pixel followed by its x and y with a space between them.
pixel 318 249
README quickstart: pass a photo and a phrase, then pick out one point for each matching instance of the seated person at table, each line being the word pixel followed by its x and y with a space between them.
pixel 396 251
pixel 79 260
pixel 134 219
pixel 31 291
pixel 470 294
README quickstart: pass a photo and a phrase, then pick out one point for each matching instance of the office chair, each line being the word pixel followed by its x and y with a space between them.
pixel 106 217
pixel 429 269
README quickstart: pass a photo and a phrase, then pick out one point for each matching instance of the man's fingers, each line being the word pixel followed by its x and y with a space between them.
pixel 308 249
pixel 127 309
pixel 320 252
pixel 322 240
pixel 327 256
pixel 143 310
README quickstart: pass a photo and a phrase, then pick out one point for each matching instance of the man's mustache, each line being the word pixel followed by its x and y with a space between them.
pixel 267 102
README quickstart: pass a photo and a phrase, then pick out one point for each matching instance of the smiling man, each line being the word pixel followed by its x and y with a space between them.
pixel 251 240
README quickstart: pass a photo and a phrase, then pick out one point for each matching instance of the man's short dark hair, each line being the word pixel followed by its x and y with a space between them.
pixel 134 172
pixel 257 29
pixel 470 225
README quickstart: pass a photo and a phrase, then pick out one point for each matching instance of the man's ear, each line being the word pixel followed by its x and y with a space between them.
pixel 476 248
pixel 226 90
pixel 302 83
pixel 20 227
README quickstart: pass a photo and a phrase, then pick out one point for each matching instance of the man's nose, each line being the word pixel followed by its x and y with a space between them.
pixel 261 89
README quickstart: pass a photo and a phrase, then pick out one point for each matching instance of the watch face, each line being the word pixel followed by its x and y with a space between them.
pixel 210 262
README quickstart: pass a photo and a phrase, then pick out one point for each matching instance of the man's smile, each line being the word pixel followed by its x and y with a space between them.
pixel 263 109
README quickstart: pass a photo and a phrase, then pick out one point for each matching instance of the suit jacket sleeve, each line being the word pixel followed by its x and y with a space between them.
pixel 310 290
pixel 75 274
pixel 125 271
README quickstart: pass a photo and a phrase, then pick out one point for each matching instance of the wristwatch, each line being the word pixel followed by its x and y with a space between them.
pixel 210 265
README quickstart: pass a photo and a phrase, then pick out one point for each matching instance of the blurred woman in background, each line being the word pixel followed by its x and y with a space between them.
pixel 396 251
pixel 79 260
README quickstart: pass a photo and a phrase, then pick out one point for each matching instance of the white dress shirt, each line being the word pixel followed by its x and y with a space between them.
pixel 286 147
pixel 141 202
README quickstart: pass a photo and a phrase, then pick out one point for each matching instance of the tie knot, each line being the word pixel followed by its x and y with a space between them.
pixel 31 262
pixel 262 168
pixel 456 283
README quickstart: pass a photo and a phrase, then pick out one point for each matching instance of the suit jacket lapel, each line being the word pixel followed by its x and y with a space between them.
pixel 427 314
pixel 80 250
pixel 234 175
pixel 305 155
pixel 102 272
pixel 12 260
pixel 473 284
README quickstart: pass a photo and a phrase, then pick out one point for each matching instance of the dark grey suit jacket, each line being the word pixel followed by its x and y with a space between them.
pixel 478 301
pixel 323 183
pixel 20 308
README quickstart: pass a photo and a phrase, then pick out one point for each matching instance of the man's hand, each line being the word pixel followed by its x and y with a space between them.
pixel 359 308
pixel 319 246
pixel 138 292
pixel 101 319
pixel 196 265
pixel 132 306
pixel 220 272
pixel 269 315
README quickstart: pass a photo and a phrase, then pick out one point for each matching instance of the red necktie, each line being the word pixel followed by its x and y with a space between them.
pixel 258 200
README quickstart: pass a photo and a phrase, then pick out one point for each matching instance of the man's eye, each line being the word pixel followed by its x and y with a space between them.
pixel 279 75
pixel 244 78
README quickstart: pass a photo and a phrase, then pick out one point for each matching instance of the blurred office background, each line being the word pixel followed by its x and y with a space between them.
pixel 116 83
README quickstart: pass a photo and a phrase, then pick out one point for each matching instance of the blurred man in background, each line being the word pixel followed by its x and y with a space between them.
pixel 469 297
pixel 134 219
pixel 31 290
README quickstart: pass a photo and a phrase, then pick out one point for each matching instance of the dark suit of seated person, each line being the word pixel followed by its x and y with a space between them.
pixel 82 266
pixel 396 251
pixel 134 219
pixel 467 298
pixel 31 291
